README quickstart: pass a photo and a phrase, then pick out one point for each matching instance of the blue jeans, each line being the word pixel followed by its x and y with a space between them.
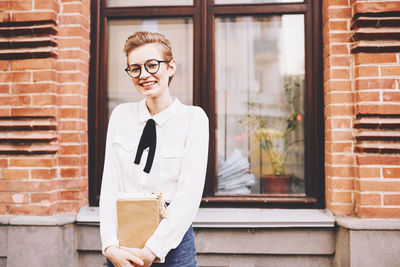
pixel 182 256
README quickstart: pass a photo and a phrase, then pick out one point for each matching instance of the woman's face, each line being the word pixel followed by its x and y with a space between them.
pixel 151 85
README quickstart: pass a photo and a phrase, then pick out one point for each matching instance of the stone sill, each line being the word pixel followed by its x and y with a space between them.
pixel 355 223
pixel 241 218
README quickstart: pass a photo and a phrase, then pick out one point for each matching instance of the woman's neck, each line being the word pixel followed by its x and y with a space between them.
pixel 157 104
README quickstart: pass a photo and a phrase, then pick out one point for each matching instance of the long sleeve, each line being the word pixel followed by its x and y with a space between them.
pixel 109 192
pixel 184 205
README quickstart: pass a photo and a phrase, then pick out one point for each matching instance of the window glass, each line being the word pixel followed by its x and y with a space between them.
pixel 115 3
pixel 178 30
pixel 259 103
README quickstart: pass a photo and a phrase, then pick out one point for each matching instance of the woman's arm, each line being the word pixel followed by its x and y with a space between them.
pixel 185 203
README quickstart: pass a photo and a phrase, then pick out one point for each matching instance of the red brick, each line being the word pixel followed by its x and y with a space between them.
pixel 391 96
pixel 70 206
pixel 68 161
pixel 368 199
pixel 47 4
pixel 14 174
pixel 340 159
pixel 43 173
pixel 5 5
pixel 33 88
pixel 21 5
pixel 339 37
pixel 34 16
pixel 70 150
pixel 342 209
pixel 5 112
pixel 340 184
pixel 73 195
pixel 33 209
pixel 391 172
pixel 339 86
pixel 391 200
pixel 339 171
pixel 44 100
pixel 32 186
pixel 339 110
pixel 44 197
pixel 340 135
pixel 67 77
pixel 374 58
pixel 365 96
pixel 340 123
pixel 339 49
pixel 15 100
pixel 4 88
pixel 15 77
pixel 3 186
pixel 41 111
pixel 340 74
pixel 390 70
pixel 365 84
pixel 366 71
pixel 69 125
pixel 340 61
pixel 340 197
pixel 373 7
pixel 385 109
pixel 372 212
pixel 379 185
pixel 32 162
pixel 76 8
pixel 338 25
pixel 378 160
pixel 339 98
pixel 73 184
pixel 33 64
pixel 72 89
pixel 73 54
pixel 346 147
pixel 73 42
pixel 44 75
pixel 365 172
pixel 74 19
pixel 3 207
pixel 69 172
pixel 3 163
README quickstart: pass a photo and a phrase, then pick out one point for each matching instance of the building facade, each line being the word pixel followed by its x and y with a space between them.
pixel 59 80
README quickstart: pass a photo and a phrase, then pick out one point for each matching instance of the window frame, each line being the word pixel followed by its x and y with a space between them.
pixel 203 14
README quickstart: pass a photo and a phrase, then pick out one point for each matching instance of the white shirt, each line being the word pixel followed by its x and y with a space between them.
pixel 178 170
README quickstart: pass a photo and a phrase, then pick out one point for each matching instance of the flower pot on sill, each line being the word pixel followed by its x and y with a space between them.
pixel 275 184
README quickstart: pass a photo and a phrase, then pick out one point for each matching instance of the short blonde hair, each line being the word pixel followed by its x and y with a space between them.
pixel 142 38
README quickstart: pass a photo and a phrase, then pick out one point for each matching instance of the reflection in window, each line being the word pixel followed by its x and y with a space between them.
pixel 116 3
pixel 221 2
pixel 259 103
pixel 180 33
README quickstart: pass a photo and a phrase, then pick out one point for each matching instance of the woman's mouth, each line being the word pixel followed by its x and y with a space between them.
pixel 149 83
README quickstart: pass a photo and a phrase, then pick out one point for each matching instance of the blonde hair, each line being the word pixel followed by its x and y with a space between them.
pixel 142 38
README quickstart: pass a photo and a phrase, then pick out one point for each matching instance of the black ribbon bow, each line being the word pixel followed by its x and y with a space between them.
pixel 148 139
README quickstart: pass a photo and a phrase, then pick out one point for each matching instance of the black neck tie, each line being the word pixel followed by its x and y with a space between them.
pixel 148 139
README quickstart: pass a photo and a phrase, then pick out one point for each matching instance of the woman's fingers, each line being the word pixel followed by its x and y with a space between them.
pixel 136 260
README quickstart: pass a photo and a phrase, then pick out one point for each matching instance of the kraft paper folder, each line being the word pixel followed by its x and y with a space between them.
pixel 138 217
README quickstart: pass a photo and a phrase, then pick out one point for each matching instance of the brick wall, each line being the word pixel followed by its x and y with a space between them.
pixel 44 55
pixel 362 107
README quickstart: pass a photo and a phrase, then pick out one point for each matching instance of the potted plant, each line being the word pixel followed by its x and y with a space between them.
pixel 274 141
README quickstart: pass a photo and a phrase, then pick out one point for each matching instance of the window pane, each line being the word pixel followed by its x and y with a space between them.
pixel 221 2
pixel 114 3
pixel 178 30
pixel 260 96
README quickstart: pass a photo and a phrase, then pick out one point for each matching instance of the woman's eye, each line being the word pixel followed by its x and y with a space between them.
pixel 153 65
pixel 135 69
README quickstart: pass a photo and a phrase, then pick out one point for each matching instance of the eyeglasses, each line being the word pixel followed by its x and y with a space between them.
pixel 151 66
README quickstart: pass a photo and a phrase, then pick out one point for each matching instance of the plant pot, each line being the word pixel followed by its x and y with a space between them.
pixel 275 184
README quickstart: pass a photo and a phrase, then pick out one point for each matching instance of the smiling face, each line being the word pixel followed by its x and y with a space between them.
pixel 151 85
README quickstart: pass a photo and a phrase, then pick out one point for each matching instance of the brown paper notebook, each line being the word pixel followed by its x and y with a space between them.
pixel 138 218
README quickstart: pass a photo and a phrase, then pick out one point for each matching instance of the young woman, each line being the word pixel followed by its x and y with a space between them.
pixel 155 145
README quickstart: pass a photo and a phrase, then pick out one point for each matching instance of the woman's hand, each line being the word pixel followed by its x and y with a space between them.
pixel 145 254
pixel 121 258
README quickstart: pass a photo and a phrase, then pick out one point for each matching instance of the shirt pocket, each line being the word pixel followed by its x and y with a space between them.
pixel 170 161
pixel 125 150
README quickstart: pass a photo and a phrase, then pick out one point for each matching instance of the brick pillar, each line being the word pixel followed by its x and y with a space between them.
pixel 339 107
pixel 362 107
pixel 44 56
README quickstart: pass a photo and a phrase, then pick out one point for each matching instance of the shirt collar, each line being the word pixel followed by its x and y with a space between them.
pixel 159 118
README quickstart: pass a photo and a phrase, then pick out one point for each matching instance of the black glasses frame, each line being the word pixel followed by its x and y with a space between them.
pixel 127 69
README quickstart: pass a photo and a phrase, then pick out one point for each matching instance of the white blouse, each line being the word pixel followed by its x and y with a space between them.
pixel 178 170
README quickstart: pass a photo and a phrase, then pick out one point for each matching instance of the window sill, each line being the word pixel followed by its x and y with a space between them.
pixel 241 218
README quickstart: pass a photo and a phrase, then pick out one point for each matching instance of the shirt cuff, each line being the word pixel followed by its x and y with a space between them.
pixel 158 250
pixel 108 244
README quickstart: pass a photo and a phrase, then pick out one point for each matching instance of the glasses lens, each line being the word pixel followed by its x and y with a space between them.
pixel 152 66
pixel 134 70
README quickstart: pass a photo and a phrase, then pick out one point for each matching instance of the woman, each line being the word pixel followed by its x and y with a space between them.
pixel 155 145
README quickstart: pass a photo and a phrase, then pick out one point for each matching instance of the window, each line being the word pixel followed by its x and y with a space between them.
pixel 253 66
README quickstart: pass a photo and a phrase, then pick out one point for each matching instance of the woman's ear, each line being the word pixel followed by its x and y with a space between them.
pixel 171 67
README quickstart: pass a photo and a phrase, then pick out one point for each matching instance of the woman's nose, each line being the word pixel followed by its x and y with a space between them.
pixel 143 72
